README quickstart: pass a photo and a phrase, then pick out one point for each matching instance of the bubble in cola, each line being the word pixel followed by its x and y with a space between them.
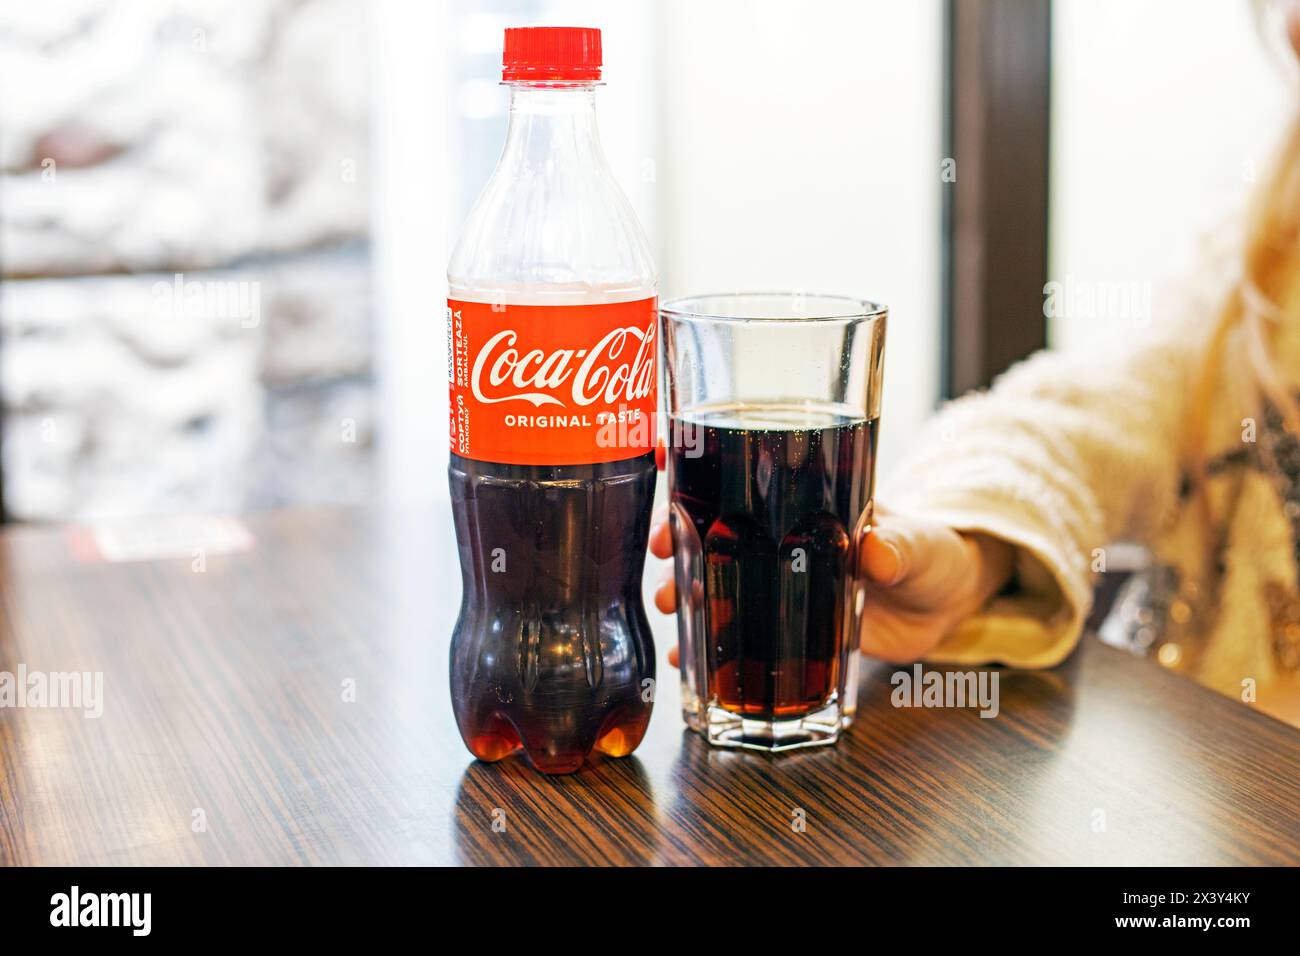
pixel 552 345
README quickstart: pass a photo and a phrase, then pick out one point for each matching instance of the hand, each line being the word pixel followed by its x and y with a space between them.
pixel 922 578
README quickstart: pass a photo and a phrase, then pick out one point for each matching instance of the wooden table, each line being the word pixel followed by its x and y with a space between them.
pixel 226 737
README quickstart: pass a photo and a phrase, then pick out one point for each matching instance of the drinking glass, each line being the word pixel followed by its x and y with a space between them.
pixel 774 403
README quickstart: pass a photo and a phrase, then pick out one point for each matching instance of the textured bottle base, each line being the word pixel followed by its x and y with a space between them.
pixel 499 739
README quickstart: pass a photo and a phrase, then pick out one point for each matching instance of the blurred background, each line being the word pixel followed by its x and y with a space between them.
pixel 223 226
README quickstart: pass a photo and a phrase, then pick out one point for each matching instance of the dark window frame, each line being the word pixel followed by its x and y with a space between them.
pixel 994 261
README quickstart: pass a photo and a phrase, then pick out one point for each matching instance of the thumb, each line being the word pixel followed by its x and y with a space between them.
pixel 886 554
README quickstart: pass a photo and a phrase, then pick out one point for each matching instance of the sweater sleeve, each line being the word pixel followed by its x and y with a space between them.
pixel 1061 457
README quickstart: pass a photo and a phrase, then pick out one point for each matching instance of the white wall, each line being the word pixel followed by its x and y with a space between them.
pixel 410 152
pixel 800 149
pixel 1164 112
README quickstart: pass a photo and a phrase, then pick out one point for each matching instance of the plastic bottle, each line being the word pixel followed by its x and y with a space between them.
pixel 552 338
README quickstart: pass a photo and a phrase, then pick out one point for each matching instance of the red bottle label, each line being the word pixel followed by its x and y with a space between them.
pixel 552 384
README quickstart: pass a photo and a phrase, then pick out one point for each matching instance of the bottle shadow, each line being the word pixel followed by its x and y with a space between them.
pixel 508 814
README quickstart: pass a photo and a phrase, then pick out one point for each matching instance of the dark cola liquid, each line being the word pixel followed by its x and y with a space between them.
pixel 766 510
pixel 552 651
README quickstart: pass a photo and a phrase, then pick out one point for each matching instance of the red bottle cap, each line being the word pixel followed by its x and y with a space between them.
pixel 559 54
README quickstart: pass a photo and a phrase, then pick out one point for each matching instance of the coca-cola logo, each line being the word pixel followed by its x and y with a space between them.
pixel 620 367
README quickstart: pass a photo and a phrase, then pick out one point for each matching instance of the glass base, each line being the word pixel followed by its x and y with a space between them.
pixel 725 729
pixel 693 717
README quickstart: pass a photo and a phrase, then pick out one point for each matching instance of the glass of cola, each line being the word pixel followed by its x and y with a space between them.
pixel 774 407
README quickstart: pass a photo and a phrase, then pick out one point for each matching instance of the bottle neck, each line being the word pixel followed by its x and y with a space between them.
pixel 555 120
pixel 552 226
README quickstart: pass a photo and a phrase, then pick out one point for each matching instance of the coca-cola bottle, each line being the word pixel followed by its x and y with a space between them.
pixel 552 348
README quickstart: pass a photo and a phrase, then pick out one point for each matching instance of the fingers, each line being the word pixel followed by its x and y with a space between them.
pixel 666 594
pixel 924 565
pixel 886 555
pixel 661 546
pixel 911 550
pixel 661 536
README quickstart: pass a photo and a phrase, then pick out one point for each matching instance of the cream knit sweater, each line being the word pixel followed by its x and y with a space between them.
pixel 1067 455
